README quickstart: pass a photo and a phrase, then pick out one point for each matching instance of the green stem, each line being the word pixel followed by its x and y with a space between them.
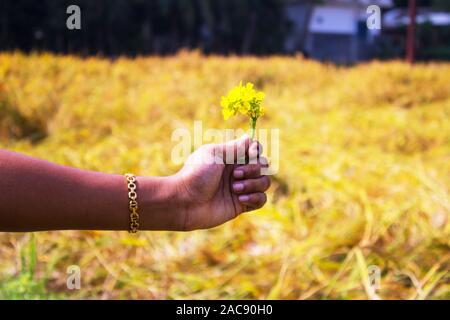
pixel 252 128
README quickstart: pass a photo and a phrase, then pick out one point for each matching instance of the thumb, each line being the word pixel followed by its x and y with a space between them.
pixel 233 151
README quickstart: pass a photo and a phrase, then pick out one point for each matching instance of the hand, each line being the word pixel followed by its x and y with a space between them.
pixel 199 196
pixel 215 191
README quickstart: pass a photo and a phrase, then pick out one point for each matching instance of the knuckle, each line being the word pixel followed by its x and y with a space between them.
pixel 266 182
pixel 211 148
pixel 250 185
pixel 249 170
pixel 253 150
pixel 263 161
pixel 255 170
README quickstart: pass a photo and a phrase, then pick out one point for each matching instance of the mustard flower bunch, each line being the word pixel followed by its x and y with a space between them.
pixel 245 100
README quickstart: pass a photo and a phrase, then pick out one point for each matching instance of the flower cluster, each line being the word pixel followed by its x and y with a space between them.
pixel 243 99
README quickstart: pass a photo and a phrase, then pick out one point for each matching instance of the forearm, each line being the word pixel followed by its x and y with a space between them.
pixel 40 195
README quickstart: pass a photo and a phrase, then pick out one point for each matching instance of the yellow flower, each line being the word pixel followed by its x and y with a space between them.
pixel 245 100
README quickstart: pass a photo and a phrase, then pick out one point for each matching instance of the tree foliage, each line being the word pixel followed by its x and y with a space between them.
pixel 138 27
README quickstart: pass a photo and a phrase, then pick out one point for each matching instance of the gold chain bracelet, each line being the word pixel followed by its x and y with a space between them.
pixel 133 205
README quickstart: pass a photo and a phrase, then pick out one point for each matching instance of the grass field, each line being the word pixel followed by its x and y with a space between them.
pixel 364 177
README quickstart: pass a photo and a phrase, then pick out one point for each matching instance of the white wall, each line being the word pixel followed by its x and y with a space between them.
pixel 338 20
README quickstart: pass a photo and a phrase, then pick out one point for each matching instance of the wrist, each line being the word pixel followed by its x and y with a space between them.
pixel 160 203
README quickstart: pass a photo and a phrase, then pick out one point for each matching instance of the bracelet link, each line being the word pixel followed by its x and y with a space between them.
pixel 133 204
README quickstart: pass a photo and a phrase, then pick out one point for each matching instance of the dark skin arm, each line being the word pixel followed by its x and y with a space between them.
pixel 37 195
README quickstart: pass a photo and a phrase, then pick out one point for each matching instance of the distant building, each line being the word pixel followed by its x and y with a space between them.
pixel 432 38
pixel 399 18
pixel 334 31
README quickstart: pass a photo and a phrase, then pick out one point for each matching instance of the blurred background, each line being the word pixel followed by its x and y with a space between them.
pixel 333 30
pixel 360 206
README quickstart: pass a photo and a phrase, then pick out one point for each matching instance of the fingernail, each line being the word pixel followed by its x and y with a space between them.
pixel 238 174
pixel 238 186
pixel 244 198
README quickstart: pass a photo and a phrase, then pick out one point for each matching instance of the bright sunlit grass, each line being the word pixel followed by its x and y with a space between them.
pixel 364 176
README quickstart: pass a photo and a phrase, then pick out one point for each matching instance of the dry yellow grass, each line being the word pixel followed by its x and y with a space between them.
pixel 364 177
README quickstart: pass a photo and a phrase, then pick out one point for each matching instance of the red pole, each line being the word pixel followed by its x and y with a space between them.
pixel 411 38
